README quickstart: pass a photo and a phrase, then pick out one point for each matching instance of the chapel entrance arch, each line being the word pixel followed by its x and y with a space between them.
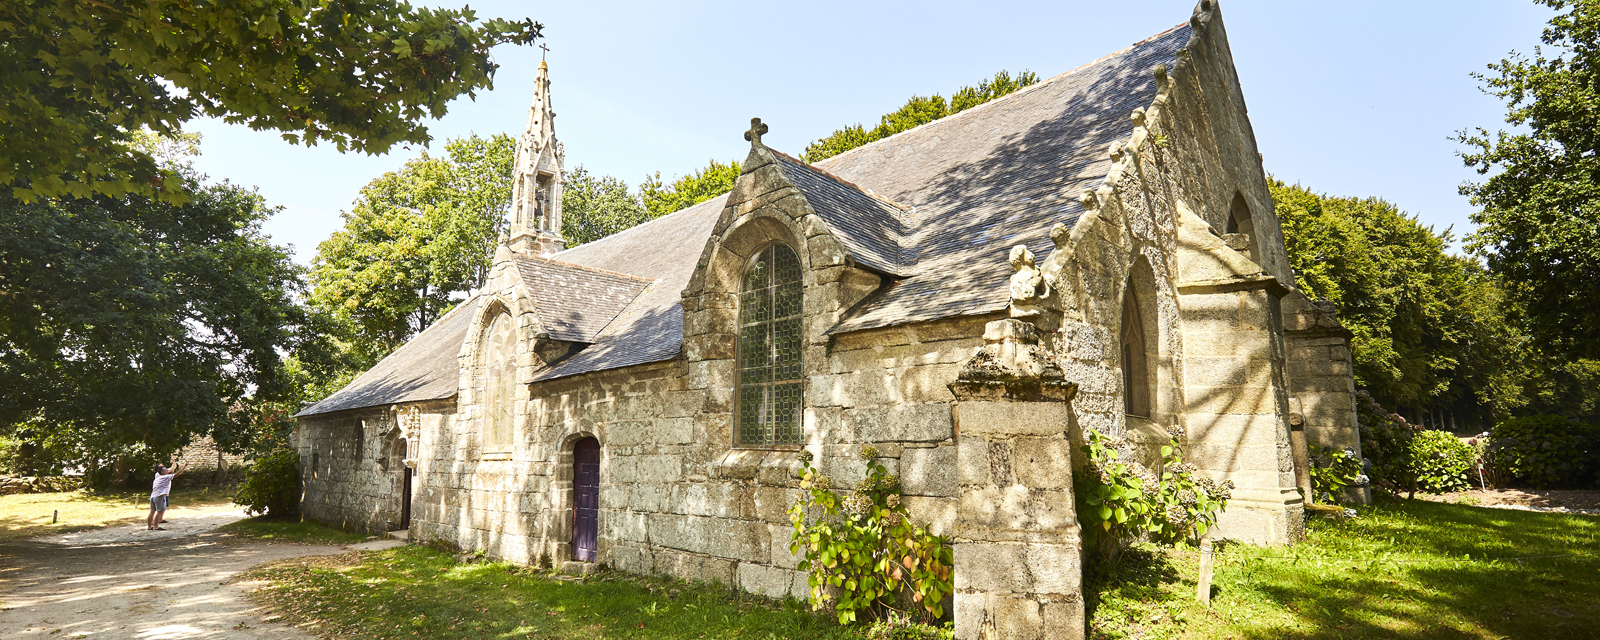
pixel 585 498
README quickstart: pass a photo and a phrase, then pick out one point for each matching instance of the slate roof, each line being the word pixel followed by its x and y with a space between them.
pixel 997 175
pixel 871 228
pixel 650 328
pixel 423 369
pixel 937 207
pixel 575 302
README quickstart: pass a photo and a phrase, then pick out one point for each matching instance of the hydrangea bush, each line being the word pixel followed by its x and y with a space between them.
pixel 1441 461
pixel 1120 501
pixel 1386 444
pixel 1333 471
pixel 1545 451
pixel 862 550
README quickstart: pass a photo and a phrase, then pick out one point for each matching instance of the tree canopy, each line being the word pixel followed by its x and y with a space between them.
pixel 80 77
pixel 593 207
pixel 132 322
pixel 1539 229
pixel 417 239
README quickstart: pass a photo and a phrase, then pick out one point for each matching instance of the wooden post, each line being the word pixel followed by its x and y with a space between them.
pixel 55 516
pixel 1203 589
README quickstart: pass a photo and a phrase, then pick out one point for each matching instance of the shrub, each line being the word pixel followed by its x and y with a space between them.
pixel 273 485
pixel 865 547
pixel 1120 501
pixel 1386 445
pixel 1545 451
pixel 1440 462
pixel 1333 471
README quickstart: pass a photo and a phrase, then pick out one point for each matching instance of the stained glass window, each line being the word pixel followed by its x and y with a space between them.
pixel 769 350
pixel 501 367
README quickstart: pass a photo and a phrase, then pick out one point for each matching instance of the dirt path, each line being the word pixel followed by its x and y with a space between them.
pixel 125 582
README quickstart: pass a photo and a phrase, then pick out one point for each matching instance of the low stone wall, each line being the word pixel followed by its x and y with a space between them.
pixel 11 485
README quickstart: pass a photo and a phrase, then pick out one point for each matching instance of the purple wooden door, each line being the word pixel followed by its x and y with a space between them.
pixel 586 498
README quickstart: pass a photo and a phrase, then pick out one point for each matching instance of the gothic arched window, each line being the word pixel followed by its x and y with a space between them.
pixel 1241 221
pixel 769 350
pixel 500 367
pixel 1135 366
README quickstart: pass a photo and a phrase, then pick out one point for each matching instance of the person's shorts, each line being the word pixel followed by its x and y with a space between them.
pixel 158 503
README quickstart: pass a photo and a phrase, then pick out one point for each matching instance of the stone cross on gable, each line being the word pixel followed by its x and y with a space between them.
pixel 757 128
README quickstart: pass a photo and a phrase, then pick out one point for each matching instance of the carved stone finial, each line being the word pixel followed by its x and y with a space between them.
pixel 1028 288
pixel 757 129
pixel 1060 235
pixel 1088 199
pixel 1161 75
pixel 1116 151
pixel 1138 117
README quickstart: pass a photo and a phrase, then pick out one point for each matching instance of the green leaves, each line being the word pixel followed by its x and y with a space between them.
pixel 417 239
pixel 1121 501
pixel 869 550
pixel 80 77
pixel 1540 223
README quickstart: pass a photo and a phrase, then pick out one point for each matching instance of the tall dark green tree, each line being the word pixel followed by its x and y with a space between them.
pixel 79 77
pixel 1428 328
pixel 134 324
pixel 1539 229
pixel 416 240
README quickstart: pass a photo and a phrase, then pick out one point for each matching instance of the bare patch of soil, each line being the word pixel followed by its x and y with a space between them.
pixel 126 582
pixel 1556 500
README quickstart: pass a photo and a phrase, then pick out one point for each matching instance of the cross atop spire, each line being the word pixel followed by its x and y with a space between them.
pixel 757 129
pixel 546 50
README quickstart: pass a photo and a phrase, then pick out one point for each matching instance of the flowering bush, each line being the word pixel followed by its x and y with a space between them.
pixel 1120 500
pixel 1333 471
pixel 273 485
pixel 1440 461
pixel 865 546
pixel 1545 451
pixel 1386 445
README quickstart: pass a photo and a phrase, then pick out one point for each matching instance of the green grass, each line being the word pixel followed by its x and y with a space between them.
pixel 417 591
pixel 29 515
pixel 282 530
pixel 1412 569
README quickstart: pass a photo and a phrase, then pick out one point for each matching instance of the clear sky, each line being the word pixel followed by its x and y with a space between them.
pixel 1352 97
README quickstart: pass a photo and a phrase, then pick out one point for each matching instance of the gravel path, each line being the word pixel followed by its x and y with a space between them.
pixel 126 582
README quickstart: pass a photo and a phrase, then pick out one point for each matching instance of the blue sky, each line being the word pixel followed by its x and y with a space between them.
pixel 1352 97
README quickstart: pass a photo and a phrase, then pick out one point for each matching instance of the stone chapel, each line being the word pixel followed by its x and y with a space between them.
pixel 1098 251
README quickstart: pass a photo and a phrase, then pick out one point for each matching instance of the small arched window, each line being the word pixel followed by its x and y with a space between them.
pixel 500 367
pixel 1135 366
pixel 769 350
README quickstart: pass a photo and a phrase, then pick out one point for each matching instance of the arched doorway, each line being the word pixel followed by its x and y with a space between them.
pixel 585 498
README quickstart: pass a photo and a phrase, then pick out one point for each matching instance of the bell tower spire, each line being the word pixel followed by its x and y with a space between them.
pixel 536 184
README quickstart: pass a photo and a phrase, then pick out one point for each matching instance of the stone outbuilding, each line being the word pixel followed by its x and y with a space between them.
pixel 1104 238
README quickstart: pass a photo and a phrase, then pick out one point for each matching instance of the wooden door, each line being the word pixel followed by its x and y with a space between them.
pixel 585 498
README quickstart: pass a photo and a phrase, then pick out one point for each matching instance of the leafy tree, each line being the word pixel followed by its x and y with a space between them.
pixel 916 112
pixel 1539 229
pixel 416 239
pixel 593 207
pixel 1428 328
pixel 128 325
pixel 81 77
pixel 660 198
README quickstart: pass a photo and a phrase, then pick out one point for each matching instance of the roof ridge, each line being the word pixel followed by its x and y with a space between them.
pixel 637 226
pixel 1051 80
pixel 589 268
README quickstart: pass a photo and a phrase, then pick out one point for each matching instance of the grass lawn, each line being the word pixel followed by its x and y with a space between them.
pixel 417 591
pixel 28 515
pixel 1410 569
pixel 282 530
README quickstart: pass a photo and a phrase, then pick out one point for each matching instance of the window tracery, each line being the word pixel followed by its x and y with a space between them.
pixel 769 372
